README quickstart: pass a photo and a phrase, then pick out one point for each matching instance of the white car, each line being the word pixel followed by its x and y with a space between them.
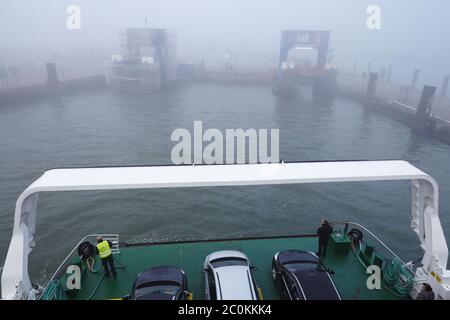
pixel 228 276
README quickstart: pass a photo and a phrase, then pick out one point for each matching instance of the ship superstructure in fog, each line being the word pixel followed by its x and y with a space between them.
pixel 148 60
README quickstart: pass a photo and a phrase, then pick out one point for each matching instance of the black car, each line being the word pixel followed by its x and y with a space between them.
pixel 300 275
pixel 160 283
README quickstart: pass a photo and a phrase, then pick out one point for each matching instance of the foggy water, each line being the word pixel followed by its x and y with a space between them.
pixel 111 128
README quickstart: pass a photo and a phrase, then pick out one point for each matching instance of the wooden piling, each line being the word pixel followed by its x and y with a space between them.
pixel 422 121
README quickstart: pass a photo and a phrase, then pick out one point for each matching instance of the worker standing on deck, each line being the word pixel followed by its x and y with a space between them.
pixel 103 249
pixel 324 232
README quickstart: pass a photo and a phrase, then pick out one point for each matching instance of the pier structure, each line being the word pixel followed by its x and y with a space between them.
pixel 148 60
pixel 424 110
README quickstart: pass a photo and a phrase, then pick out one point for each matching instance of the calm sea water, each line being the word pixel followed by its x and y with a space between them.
pixel 110 128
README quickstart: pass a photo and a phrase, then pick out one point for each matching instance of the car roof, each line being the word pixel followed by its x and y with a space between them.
pixel 317 285
pixel 234 283
pixel 156 296
pixel 297 255
pixel 226 254
pixel 171 274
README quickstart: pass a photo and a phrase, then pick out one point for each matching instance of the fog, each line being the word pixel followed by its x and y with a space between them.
pixel 59 107
pixel 413 34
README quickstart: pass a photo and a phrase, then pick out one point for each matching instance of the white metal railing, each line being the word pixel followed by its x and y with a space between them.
pixel 381 242
pixel 113 237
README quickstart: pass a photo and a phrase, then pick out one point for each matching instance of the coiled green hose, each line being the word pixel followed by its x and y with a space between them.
pixel 397 277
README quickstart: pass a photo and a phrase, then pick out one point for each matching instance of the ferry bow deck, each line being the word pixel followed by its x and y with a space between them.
pixel 350 276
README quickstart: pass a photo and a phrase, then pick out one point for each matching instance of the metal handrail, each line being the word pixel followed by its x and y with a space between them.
pixel 71 253
pixel 381 242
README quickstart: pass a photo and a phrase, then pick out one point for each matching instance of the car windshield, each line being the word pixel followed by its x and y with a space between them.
pixel 304 266
pixel 226 262
pixel 157 288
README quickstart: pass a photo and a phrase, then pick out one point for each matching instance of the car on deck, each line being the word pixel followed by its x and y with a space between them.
pixel 300 275
pixel 160 283
pixel 228 276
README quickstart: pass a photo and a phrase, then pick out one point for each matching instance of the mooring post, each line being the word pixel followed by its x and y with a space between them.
pixel 423 122
pixel 52 76
pixel 370 99
pixel 372 86
pixel 444 87
pixel 389 73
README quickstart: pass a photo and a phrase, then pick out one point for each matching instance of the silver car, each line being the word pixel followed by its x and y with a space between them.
pixel 228 276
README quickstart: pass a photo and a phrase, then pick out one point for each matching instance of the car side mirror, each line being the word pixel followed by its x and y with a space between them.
pixel 330 271
pixel 253 268
pixel 204 270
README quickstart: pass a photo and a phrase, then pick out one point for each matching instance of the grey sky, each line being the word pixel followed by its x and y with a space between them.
pixel 414 33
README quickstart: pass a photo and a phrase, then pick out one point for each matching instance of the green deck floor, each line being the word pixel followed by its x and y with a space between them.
pixel 350 277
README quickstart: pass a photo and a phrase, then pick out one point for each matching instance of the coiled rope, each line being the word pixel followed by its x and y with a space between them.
pixel 396 277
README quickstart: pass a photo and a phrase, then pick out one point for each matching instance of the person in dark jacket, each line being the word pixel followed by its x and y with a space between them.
pixel 103 249
pixel 324 232
pixel 426 292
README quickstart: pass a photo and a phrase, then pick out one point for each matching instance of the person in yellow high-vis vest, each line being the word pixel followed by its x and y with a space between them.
pixel 103 249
